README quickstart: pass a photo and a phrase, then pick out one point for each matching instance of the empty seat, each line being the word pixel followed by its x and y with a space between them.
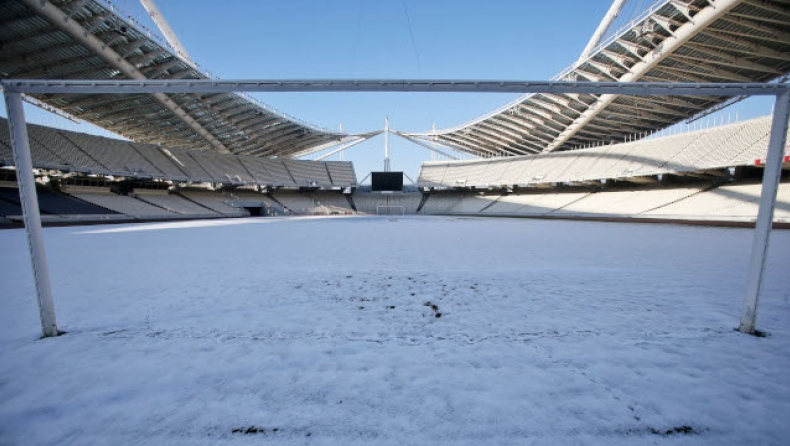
pixel 117 155
pixel 187 164
pixel 55 203
pixel 308 173
pixel 176 203
pixel 223 168
pixel 124 204
pixel 214 200
pixel 280 175
pixel 162 162
pixel 257 169
pixel 342 173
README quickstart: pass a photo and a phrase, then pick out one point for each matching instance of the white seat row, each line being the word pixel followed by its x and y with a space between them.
pixel 737 144
pixel 125 205
pixel 66 150
pixel 699 202
pixel 214 200
pixel 178 204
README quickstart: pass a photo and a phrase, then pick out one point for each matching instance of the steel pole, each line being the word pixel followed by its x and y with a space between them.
pixel 167 31
pixel 606 23
pixel 387 144
pixel 30 211
pixel 765 216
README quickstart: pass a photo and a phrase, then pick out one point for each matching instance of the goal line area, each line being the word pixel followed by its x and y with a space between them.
pixel 390 210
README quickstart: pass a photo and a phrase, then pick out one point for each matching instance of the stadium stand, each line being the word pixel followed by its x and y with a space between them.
pixel 175 203
pixel 738 144
pixel 52 203
pixel 730 202
pixel 257 168
pixel 217 201
pixel 442 203
pixel 188 164
pixel 308 173
pixel 254 196
pixel 44 139
pixel 535 203
pixel 47 159
pixel 460 188
pixel 280 174
pixel 118 156
pixel 342 173
pixel 473 203
pixel 9 209
pixel 162 162
pixel 297 203
pixel 124 204
pixel 736 202
pixel 77 152
pixel 222 168
pixel 333 202
pixel 626 202
pixel 9 200
pixel 315 202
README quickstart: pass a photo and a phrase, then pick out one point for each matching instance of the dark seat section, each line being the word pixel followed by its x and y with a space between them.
pixel 51 202
pixel 7 208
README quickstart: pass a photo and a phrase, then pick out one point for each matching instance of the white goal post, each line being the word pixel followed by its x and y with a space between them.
pixel 388 210
pixel 13 89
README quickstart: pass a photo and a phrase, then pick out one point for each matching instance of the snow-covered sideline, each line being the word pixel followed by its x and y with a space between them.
pixel 324 332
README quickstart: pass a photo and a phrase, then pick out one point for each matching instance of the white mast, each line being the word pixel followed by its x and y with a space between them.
pixel 607 21
pixel 342 152
pixel 433 154
pixel 167 31
pixel 387 144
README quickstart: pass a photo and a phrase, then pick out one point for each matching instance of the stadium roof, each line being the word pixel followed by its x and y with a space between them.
pixel 86 39
pixel 672 41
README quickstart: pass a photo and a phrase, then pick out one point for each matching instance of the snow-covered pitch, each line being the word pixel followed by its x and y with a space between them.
pixel 394 331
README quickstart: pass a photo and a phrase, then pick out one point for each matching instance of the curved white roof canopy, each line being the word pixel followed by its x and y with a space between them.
pixel 673 41
pixel 86 39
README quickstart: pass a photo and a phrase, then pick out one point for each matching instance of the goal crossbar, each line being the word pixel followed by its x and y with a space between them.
pixel 173 86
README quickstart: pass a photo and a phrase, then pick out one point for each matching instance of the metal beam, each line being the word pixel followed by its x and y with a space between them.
pixel 765 215
pixel 750 48
pixel 462 145
pixel 186 86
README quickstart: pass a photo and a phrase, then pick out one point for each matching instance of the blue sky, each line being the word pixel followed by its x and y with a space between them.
pixel 501 39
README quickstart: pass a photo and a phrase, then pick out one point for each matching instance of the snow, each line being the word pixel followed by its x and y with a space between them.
pixel 551 332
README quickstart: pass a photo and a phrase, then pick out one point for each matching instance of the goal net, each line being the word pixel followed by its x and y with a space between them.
pixel 390 210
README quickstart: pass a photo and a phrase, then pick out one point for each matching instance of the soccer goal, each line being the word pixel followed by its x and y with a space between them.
pixel 13 89
pixel 390 210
